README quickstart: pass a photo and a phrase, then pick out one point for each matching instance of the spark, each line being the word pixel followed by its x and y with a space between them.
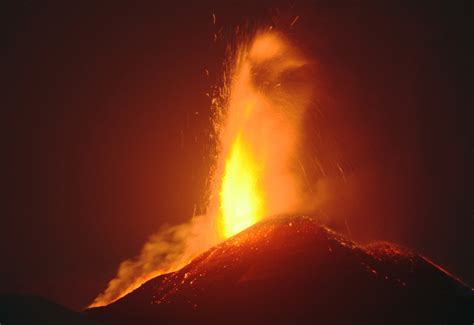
pixel 295 20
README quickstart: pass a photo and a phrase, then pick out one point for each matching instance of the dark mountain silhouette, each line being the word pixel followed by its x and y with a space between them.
pixel 295 270
pixel 27 309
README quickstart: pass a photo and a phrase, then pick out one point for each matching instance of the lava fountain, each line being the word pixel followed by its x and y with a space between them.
pixel 256 172
pixel 257 168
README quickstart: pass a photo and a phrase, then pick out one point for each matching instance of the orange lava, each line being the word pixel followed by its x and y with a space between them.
pixel 258 137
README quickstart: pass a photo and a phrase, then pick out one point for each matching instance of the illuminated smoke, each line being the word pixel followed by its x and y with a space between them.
pixel 257 171
pixel 166 251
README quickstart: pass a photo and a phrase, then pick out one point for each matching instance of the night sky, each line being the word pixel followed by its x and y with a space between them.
pixel 106 123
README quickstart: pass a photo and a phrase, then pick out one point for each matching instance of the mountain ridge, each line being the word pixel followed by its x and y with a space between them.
pixel 294 269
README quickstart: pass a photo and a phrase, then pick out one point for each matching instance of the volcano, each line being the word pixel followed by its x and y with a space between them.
pixel 296 270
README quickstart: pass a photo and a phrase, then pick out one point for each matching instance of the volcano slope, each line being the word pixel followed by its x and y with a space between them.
pixel 295 270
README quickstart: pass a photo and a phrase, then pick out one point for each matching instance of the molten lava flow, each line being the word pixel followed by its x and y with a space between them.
pixel 255 175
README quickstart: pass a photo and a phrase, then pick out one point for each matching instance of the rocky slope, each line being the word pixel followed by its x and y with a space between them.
pixel 292 270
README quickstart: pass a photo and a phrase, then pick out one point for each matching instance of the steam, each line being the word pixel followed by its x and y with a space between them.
pixel 167 250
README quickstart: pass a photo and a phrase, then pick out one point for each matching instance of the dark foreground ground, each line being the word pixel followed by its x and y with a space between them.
pixel 283 270
pixel 24 309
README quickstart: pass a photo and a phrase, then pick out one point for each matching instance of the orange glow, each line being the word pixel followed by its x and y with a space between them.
pixel 265 47
pixel 255 175
pixel 241 200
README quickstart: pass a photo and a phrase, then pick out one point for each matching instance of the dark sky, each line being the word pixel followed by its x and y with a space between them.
pixel 106 127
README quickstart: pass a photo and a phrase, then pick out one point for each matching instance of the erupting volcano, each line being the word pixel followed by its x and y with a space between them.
pixel 221 162
pixel 284 268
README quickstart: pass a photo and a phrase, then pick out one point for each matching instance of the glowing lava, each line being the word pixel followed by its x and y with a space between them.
pixel 258 138
pixel 241 199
